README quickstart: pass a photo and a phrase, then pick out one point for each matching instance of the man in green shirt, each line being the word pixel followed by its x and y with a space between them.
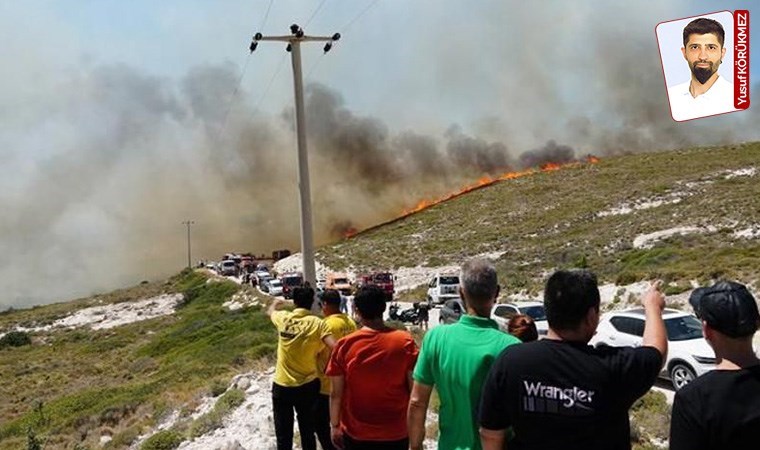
pixel 455 359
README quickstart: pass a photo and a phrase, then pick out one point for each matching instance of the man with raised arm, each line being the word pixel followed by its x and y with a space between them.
pixel 455 359
pixel 296 384
pixel 561 393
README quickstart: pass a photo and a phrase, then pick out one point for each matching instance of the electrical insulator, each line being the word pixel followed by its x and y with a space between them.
pixel 336 36
pixel 257 36
pixel 299 33
pixel 294 28
pixel 253 46
pixel 289 48
pixel 328 46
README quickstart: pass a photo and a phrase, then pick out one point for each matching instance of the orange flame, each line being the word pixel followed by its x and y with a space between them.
pixel 482 182
pixel 487 181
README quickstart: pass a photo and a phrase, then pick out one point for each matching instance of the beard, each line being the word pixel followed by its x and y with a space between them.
pixel 702 74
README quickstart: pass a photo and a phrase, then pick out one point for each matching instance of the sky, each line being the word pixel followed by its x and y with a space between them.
pixel 119 120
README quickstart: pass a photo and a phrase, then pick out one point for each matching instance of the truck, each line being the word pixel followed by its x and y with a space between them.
pixel 339 282
pixel 383 280
pixel 290 281
pixel 442 287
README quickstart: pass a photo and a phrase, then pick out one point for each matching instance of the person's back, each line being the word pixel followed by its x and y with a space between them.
pixel 375 364
pixel 370 372
pixel 572 396
pixel 726 402
pixel 455 359
pixel 560 393
pixel 295 387
pixel 721 409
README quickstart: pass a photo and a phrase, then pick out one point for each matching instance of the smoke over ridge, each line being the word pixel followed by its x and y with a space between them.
pixel 121 157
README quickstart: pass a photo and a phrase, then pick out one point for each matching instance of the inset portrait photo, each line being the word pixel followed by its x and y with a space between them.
pixel 697 61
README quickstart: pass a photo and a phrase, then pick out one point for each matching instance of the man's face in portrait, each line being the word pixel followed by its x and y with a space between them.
pixel 704 53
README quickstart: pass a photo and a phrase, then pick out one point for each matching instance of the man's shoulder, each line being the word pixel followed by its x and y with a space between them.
pixel 679 89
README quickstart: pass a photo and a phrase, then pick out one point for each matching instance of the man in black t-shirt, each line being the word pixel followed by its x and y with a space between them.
pixel 721 409
pixel 560 393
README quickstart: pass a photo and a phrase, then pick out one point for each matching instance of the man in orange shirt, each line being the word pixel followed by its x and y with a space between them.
pixel 371 375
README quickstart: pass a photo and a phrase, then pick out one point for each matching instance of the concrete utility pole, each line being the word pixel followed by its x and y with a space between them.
pixel 294 47
pixel 188 223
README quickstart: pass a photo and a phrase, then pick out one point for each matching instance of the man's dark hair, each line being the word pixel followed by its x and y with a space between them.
pixel 704 26
pixel 303 297
pixel 568 296
pixel 369 301
pixel 331 297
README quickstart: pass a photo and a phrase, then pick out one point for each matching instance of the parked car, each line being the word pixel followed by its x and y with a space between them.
pixel 443 287
pixel 689 355
pixel 290 281
pixel 228 268
pixel 274 287
pixel 451 311
pixel 502 312
pixel 263 281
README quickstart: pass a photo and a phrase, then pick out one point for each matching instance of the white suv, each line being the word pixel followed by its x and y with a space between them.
pixel 689 355
pixel 443 287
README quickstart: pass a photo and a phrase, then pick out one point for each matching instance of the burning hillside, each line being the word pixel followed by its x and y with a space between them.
pixel 349 231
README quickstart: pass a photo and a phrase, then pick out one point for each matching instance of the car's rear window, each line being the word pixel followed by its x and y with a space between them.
pixel 450 280
pixel 535 312
pixel 683 328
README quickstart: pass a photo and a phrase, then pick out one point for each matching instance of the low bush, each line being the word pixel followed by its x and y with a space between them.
pixel 163 440
pixel 650 417
pixel 15 339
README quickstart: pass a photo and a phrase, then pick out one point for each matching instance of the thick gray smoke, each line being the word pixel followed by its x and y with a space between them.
pixel 103 164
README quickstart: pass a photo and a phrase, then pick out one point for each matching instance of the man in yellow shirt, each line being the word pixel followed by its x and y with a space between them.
pixel 296 377
pixel 339 325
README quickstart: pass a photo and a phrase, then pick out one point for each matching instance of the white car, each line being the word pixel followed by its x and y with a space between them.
pixel 275 287
pixel 502 312
pixel 689 355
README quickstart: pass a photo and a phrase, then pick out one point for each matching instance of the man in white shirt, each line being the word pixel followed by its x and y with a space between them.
pixel 706 93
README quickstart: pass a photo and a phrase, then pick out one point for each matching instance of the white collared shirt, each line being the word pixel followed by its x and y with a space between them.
pixel 718 99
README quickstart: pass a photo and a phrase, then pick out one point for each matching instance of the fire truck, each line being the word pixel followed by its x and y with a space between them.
pixel 383 280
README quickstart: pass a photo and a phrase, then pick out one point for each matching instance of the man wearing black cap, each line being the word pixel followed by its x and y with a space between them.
pixel 721 409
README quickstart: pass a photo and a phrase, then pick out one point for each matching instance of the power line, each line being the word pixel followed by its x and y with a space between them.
pixel 364 11
pixel 269 85
pixel 321 4
pixel 239 83
pixel 266 16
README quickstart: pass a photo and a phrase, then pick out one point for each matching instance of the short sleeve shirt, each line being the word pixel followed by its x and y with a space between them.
pixel 565 395
pixel 299 341
pixel 719 410
pixel 340 325
pixel 375 366
pixel 456 359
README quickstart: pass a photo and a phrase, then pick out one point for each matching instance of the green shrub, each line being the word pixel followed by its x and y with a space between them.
pixel 217 388
pixel 651 415
pixel 230 400
pixel 15 339
pixel 163 440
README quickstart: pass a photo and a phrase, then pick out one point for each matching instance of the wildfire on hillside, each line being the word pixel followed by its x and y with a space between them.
pixel 481 183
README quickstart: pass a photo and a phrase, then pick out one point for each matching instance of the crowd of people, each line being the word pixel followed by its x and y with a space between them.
pixel 368 386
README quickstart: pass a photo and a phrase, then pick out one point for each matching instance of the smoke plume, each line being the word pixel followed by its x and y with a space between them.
pixel 103 163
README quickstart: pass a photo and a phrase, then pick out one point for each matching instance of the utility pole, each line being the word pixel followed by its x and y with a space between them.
pixel 294 47
pixel 188 223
